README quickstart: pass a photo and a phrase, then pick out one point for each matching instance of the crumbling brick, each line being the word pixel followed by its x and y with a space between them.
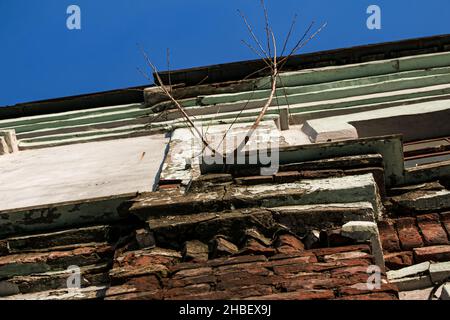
pixel 373 296
pixel 388 236
pixel 222 247
pixel 195 250
pixel 431 228
pixel 398 260
pixel 408 233
pixel 253 246
pixel 298 295
pixel 288 243
pixel 434 253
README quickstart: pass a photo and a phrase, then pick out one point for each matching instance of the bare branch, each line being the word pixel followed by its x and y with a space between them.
pixel 177 104
pixel 257 53
pixel 303 37
pixel 237 116
pixel 294 20
pixel 266 18
pixel 168 69
pixel 268 102
pixel 255 38
pixel 301 45
pixel 144 74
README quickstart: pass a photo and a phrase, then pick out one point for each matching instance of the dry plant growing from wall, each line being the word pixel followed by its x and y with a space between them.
pixel 274 63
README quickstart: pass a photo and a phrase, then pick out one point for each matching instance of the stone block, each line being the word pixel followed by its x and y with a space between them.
pixel 4 149
pixel 423 201
pixel 445 295
pixel 10 139
pixel 366 231
pixel 412 283
pixel 439 271
pixel 409 271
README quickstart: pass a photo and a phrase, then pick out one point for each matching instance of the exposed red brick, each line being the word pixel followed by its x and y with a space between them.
pixel 149 295
pixel 169 186
pixel 236 260
pixel 288 243
pixel 234 293
pixel 346 255
pixel 350 271
pixel 212 295
pixel 223 247
pixel 251 268
pixel 398 260
pixel 388 236
pixel 224 261
pixel 334 238
pixel 192 289
pixel 314 283
pixel 287 176
pixel 310 258
pixel 255 247
pixel 434 253
pixel 144 258
pixel 174 283
pixel 428 218
pixel 327 251
pixel 146 283
pixel 432 231
pixel 297 254
pixel 201 271
pixel 319 267
pixel 298 295
pixel 362 288
pixel 233 280
pixel 373 296
pixel 445 218
pixel 408 234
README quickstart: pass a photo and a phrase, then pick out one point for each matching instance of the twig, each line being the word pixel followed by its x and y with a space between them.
pixel 266 18
pixel 250 30
pixel 177 104
pixel 294 20
pixel 257 53
pixel 267 104
pixel 168 69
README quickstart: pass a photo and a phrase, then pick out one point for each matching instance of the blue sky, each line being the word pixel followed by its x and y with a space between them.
pixel 41 59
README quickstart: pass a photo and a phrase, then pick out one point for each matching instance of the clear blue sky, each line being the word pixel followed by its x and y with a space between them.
pixel 41 59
